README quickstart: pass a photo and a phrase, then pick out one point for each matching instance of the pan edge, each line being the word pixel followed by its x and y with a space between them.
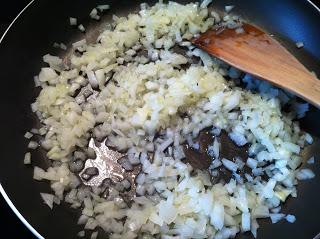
pixel 2 191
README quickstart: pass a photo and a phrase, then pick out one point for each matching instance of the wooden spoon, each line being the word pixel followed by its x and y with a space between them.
pixel 257 53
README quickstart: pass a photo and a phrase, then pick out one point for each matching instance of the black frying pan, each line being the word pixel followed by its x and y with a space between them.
pixel 44 22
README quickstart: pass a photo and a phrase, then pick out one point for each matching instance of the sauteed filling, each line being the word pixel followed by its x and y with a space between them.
pixel 149 136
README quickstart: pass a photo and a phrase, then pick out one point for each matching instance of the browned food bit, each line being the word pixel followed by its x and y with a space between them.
pixel 197 159
pixel 205 139
pixel 230 150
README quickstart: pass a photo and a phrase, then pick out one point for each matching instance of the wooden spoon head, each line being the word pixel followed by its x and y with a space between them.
pixel 257 53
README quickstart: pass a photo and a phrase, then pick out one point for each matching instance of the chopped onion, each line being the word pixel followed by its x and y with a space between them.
pixel 81 28
pixel 131 90
pixel 27 158
pixel 299 44
pixel 94 235
pixel 48 199
pixel 309 138
pixel 229 8
pixel 305 174
pixel 276 217
pixel 245 221
pixel 252 163
pixel 28 135
pixel 104 7
pixel 73 21
pixel 290 218
pixel 311 160
pixel 33 145
pixel 81 234
pixel 205 3
pixel 80 43
pixel 237 138
pixel 94 14
pixel 217 216
pixel 229 165
pixel 92 79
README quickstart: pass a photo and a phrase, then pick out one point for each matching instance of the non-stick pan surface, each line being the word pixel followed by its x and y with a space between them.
pixel 45 22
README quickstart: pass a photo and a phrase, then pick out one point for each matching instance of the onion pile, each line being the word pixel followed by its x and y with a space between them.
pixel 134 88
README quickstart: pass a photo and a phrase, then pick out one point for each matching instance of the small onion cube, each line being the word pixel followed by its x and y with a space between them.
pixel 33 145
pixel 28 135
pixel 27 158
pixel 311 160
pixel 309 138
pixel 48 199
pixel 305 174
pixel 205 3
pixel 81 28
pixel 73 21
pixel 104 7
pixel 228 8
pixel 299 44
pixel 245 221
pixel 230 165
pixel 217 216
pixel 290 218
pixel 276 217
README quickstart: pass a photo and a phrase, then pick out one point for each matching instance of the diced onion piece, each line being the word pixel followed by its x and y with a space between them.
pixel 73 21
pixel 28 135
pixel 33 145
pixel 81 28
pixel 299 44
pixel 290 218
pixel 245 221
pixel 92 79
pixel 63 46
pixel 81 234
pixel 48 199
pixel 238 139
pixel 252 163
pixel 309 138
pixel 228 8
pixel 94 235
pixel 276 217
pixel 229 165
pixel 311 160
pixel 217 216
pixel 27 158
pixel 205 3
pixel 104 7
pixel 94 14
pixel 305 174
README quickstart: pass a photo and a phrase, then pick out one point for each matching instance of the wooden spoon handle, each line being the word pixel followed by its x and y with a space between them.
pixel 289 74
pixel 257 53
pixel 305 86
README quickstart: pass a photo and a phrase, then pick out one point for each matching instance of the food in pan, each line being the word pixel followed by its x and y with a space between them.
pixel 145 93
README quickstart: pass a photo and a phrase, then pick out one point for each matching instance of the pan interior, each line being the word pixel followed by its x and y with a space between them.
pixel 46 22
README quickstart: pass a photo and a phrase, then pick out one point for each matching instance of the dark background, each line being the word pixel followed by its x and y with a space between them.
pixel 10 225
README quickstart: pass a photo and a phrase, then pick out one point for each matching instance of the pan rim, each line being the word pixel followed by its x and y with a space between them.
pixel 2 190
pixel 309 1
pixel 18 214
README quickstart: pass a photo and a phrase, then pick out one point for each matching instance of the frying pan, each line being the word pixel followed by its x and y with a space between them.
pixel 44 22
